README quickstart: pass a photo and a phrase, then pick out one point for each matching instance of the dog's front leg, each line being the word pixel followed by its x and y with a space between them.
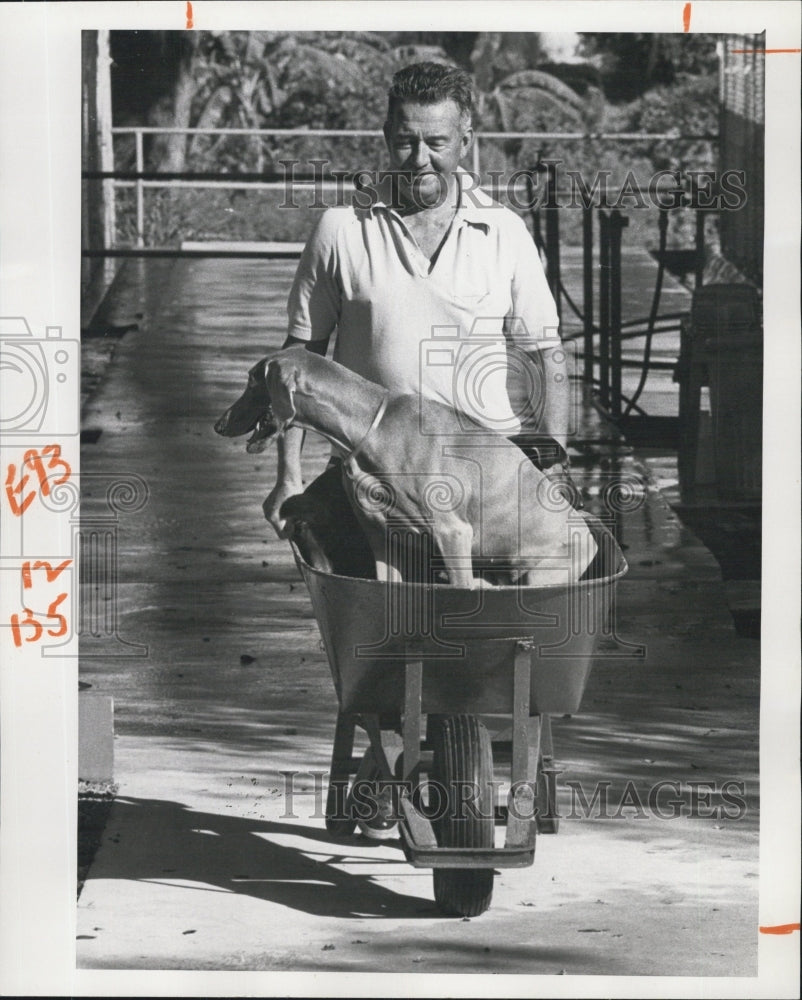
pixel 374 527
pixel 386 569
pixel 455 541
pixel 370 501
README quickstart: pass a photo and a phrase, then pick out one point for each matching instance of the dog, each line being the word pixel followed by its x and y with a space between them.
pixel 413 465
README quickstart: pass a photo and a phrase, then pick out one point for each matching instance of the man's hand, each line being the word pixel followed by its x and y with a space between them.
pixel 283 489
pixel 560 474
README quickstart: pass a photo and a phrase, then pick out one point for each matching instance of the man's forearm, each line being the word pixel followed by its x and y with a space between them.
pixel 550 412
pixel 557 395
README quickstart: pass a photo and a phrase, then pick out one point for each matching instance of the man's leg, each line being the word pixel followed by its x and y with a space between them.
pixel 327 528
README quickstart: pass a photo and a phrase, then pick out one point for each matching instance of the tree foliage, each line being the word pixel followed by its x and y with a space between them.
pixel 312 80
pixel 631 63
pixel 316 80
pixel 270 79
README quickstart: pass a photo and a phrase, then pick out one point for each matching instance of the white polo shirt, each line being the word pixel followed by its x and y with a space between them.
pixel 440 330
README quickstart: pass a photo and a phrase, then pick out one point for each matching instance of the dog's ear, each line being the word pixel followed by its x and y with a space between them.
pixel 282 378
pixel 257 374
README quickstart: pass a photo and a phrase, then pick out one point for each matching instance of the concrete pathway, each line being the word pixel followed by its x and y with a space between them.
pixel 206 863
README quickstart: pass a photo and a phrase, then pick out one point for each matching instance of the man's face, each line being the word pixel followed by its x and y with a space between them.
pixel 426 141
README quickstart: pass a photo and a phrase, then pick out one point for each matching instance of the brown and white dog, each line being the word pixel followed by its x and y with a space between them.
pixel 412 465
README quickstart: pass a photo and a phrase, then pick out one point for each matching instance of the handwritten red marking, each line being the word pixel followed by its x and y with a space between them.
pixel 33 459
pixel 779 929
pixel 51 613
pixel 17 625
pixel 50 573
pixel 760 52
pixel 30 621
pixel 12 490
pixel 190 22
pixel 686 17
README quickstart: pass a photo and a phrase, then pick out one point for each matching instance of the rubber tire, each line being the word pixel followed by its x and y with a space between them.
pixel 463 753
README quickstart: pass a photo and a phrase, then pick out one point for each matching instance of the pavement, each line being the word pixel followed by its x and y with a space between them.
pixel 215 856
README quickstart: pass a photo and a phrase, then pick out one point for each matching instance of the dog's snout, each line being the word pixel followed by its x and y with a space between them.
pixel 222 424
pixel 245 414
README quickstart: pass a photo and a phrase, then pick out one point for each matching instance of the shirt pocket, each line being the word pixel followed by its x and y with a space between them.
pixel 471 300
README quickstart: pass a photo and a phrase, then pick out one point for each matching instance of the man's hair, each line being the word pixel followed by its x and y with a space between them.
pixel 429 83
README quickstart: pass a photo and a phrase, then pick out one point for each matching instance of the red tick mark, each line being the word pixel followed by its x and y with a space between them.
pixel 779 929
pixel 686 17
pixel 760 52
pixel 189 15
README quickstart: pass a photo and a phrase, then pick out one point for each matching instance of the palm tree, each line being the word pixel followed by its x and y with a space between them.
pixel 252 79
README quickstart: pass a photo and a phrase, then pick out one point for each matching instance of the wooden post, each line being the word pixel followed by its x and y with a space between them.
pixel 140 190
pixel 97 203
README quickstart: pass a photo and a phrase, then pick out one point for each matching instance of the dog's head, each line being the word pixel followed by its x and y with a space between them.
pixel 266 407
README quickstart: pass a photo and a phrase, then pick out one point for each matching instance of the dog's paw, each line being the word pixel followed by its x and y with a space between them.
pixel 479 583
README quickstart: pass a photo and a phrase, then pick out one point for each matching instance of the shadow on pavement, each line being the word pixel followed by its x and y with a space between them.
pixel 172 844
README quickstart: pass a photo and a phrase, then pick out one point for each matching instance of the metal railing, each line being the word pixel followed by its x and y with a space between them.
pixel 140 179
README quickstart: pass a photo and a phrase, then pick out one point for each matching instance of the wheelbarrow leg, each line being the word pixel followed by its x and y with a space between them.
pixel 339 821
pixel 413 691
pixel 526 736
pixel 548 821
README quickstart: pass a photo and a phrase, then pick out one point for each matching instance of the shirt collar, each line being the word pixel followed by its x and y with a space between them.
pixel 473 204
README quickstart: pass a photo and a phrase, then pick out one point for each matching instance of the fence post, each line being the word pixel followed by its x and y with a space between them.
pixel 140 191
pixel 699 268
pixel 604 309
pixel 475 160
pixel 618 222
pixel 587 291
pixel 553 237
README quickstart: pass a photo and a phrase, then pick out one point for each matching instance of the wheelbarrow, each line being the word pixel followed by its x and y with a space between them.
pixel 425 669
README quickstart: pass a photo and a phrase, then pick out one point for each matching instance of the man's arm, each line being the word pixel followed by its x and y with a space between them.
pixel 313 312
pixel 551 412
pixel 289 480
pixel 534 329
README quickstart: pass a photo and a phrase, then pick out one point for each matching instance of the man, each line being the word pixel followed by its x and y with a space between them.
pixel 432 286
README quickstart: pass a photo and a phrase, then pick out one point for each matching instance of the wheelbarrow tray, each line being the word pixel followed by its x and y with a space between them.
pixel 466 639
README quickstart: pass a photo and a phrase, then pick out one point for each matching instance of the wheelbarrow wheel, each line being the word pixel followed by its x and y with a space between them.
pixel 462 775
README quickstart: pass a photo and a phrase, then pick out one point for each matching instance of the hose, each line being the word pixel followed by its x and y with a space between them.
pixel 658 290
